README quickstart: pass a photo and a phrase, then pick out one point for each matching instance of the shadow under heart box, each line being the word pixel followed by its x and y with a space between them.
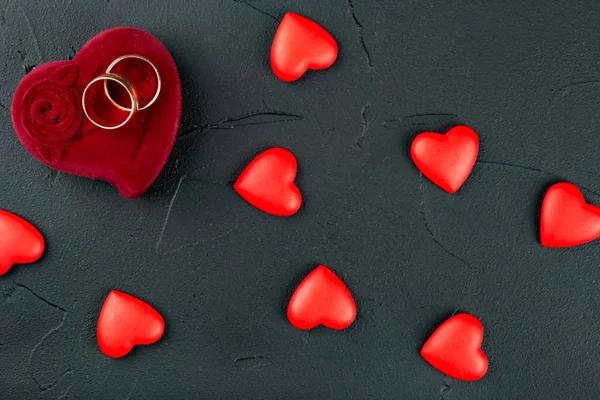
pixel 112 113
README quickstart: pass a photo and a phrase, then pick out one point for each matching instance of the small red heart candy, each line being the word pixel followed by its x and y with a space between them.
pixel 566 219
pixel 321 299
pixel 455 348
pixel 299 45
pixel 268 183
pixel 48 116
pixel 126 321
pixel 20 242
pixel 447 160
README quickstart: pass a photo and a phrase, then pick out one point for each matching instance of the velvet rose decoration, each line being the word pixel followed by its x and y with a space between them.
pixel 52 113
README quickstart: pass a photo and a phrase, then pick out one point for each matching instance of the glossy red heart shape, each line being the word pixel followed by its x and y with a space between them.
pixel 455 348
pixel 48 116
pixel 299 45
pixel 20 242
pixel 268 183
pixel 321 299
pixel 447 160
pixel 126 321
pixel 566 219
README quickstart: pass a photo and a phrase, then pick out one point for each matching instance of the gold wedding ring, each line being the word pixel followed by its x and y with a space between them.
pixel 128 88
pixel 158 88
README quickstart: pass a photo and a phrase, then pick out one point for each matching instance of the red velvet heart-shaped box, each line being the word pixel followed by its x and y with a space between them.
pixel 48 115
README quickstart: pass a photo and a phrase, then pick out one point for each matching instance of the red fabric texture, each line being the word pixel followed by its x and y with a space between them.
pixel 49 120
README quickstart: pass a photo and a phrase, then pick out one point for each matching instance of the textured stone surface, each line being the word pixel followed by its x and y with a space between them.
pixel 524 75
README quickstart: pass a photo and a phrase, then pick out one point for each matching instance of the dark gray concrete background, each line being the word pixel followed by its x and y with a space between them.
pixel 524 75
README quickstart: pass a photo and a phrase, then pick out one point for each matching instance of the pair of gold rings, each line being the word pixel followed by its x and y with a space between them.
pixel 109 76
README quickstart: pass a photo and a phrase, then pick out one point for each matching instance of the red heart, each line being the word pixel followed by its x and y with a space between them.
pixel 126 321
pixel 567 220
pixel 48 116
pixel 447 160
pixel 299 45
pixel 455 348
pixel 321 299
pixel 20 242
pixel 268 183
